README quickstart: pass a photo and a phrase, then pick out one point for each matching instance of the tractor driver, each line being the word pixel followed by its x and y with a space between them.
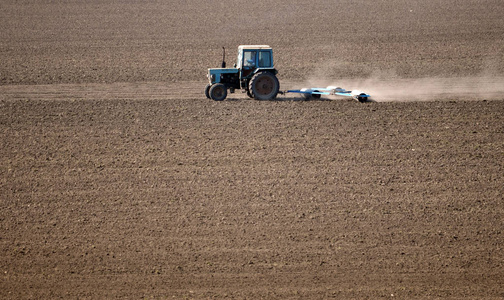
pixel 249 59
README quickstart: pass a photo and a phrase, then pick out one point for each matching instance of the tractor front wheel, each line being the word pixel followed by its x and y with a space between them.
pixel 264 86
pixel 218 92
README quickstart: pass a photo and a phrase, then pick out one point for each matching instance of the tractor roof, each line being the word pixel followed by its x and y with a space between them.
pixel 254 47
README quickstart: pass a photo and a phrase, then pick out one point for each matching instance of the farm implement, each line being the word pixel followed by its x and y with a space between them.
pixel 316 93
pixel 255 74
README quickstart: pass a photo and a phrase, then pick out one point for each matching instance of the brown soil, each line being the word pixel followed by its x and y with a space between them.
pixel 119 179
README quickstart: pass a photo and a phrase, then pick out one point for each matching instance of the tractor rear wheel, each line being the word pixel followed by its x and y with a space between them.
pixel 218 92
pixel 207 90
pixel 264 86
pixel 249 94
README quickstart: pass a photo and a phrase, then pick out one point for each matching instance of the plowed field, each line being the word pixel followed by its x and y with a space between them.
pixel 119 179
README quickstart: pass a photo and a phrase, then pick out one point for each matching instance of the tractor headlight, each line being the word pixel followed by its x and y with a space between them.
pixel 212 78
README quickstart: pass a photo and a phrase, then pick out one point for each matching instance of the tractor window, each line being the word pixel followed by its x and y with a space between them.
pixel 249 58
pixel 264 59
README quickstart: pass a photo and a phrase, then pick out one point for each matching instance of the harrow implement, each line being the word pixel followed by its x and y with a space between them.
pixel 316 93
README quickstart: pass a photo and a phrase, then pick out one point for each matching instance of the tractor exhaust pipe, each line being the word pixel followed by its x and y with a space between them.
pixel 223 57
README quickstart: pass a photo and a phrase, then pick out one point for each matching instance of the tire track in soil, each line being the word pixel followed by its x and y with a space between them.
pixel 381 90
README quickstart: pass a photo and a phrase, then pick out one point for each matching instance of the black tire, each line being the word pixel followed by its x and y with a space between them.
pixel 218 92
pixel 207 91
pixel 249 94
pixel 264 86
pixel 306 97
pixel 362 99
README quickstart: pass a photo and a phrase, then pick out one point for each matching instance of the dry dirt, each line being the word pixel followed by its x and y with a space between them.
pixel 119 179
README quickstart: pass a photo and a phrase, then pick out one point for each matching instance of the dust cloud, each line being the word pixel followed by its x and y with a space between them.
pixel 429 89
pixel 421 89
pixel 386 85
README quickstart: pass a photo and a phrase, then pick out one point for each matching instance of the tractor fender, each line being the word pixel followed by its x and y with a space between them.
pixel 259 70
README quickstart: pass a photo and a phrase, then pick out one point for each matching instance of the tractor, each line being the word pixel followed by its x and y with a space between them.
pixel 254 73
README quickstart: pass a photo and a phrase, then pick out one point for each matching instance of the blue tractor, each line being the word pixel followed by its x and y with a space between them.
pixel 253 73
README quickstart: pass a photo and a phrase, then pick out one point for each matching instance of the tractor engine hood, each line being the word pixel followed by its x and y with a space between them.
pixel 214 74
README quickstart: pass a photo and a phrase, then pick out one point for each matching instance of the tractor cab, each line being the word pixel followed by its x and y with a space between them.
pixel 252 58
pixel 253 72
